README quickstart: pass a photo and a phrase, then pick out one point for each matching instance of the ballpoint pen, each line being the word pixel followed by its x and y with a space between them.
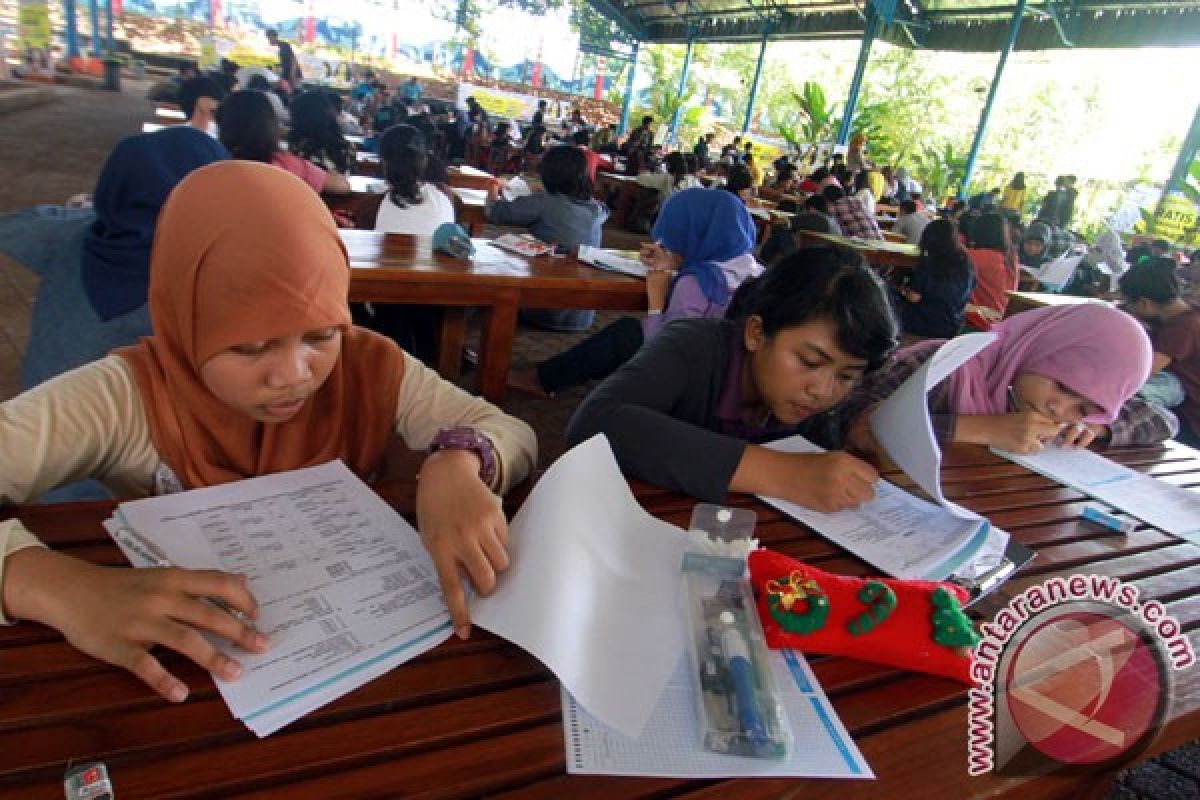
pixel 741 671
pixel 1014 402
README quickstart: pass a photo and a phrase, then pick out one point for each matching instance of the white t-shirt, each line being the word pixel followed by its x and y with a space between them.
pixel 418 219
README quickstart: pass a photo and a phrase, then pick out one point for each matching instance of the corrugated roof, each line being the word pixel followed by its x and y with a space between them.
pixel 968 25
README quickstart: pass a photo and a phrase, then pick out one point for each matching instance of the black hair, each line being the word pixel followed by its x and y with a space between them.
pixel 830 282
pixel 692 162
pixel 1152 278
pixel 564 171
pixel 908 207
pixel 258 82
pixel 646 121
pixel 813 221
pixel 990 232
pixel 193 89
pixel 819 174
pixel 248 126
pixel 315 133
pixel 739 179
pixel 942 255
pixel 816 202
pixel 677 167
pixel 405 158
pixel 581 138
pixel 833 193
pixel 785 173
pixel 861 181
pixel 271 32
pixel 1018 181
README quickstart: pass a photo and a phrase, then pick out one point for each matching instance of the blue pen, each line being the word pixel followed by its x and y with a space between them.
pixel 737 659
pixel 1093 514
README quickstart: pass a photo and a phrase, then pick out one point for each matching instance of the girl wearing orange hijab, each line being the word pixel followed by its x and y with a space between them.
pixel 253 368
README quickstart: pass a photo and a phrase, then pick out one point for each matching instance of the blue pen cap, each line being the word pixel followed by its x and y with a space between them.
pixel 451 239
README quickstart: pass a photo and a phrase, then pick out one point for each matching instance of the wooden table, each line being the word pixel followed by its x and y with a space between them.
pixel 393 268
pixel 879 254
pixel 482 717
pixel 467 177
pixel 1027 301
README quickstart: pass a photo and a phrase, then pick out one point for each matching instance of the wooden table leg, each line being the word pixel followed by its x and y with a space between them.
pixel 452 334
pixel 495 349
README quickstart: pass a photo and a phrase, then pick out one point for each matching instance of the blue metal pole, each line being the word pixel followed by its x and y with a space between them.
pixel 629 90
pixel 1013 29
pixel 72 29
pixel 687 63
pixel 762 56
pixel 108 19
pixel 94 8
pixel 860 69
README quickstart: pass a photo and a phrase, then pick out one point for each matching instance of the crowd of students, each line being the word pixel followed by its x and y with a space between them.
pixel 251 362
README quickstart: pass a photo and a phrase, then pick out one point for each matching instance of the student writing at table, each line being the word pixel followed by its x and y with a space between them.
pixel 253 369
pixel 564 214
pixel 1064 374
pixel 690 410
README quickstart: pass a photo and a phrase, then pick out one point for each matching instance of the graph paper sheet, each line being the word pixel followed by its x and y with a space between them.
pixel 670 743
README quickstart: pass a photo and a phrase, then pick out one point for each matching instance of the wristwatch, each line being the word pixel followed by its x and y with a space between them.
pixel 465 438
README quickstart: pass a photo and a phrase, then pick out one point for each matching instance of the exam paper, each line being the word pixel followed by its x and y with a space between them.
pixel 594 588
pixel 901 422
pixel 898 533
pixel 346 590
pixel 1173 509
pixel 612 261
pixel 670 746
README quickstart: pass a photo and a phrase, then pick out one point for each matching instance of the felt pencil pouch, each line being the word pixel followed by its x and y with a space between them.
pixel 913 625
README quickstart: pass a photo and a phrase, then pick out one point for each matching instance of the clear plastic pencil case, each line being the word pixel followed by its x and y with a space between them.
pixel 737 699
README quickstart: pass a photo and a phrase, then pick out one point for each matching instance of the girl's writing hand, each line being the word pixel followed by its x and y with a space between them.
pixel 1079 435
pixel 463 528
pixel 829 482
pixel 1019 432
pixel 117 615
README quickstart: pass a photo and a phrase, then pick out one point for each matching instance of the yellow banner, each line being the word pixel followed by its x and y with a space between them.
pixel 33 20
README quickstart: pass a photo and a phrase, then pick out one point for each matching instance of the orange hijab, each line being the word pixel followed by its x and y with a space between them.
pixel 246 252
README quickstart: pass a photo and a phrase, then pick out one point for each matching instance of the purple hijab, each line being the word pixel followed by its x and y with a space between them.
pixel 1093 349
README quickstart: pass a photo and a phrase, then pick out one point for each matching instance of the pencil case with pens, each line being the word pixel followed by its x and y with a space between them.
pixel 738 704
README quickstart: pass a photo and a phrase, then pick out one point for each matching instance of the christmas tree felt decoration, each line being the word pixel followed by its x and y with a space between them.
pixel 914 625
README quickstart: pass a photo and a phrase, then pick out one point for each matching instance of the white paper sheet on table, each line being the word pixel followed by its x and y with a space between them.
pixel 898 533
pixel 593 589
pixel 1173 509
pixel 345 589
pixel 901 422
pixel 612 261
pixel 670 744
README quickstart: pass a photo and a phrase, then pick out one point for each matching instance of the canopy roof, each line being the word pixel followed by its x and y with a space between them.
pixel 965 25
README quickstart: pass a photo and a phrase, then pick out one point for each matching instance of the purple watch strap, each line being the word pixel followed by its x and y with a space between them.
pixel 469 439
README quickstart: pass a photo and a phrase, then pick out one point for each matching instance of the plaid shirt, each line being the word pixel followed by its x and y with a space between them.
pixel 854 219
pixel 1139 423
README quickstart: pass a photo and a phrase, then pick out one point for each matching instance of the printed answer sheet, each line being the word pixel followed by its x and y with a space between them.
pixel 1173 509
pixel 670 746
pixel 346 590
pixel 898 533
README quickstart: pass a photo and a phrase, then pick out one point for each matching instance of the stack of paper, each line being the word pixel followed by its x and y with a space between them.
pixel 624 262
pixel 346 590
pixel 523 244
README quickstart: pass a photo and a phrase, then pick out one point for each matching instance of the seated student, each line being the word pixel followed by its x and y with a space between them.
pixel 911 223
pixel 675 179
pixel 198 99
pixel 816 203
pixel 785 179
pixel 582 139
pixel 249 131
pixel 1032 252
pixel 995 272
pixel 412 204
pixel 864 194
pixel 1152 294
pixel 689 410
pixel 784 241
pixel 316 135
pixel 253 369
pixel 707 238
pixel 852 218
pixel 258 83
pixel 1072 372
pixel 564 214
pixel 740 182
pixel 936 295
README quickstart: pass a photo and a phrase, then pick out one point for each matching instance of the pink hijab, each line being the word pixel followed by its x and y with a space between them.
pixel 1093 349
